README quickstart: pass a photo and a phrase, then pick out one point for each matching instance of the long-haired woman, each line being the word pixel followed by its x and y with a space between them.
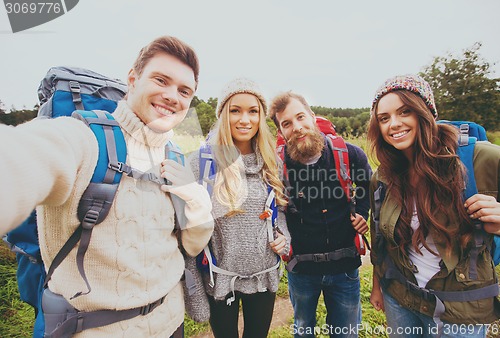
pixel 245 245
pixel 425 241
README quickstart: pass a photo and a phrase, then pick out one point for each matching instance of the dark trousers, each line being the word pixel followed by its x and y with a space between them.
pixel 257 315
pixel 179 333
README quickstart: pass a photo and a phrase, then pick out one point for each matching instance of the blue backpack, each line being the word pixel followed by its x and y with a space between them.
pixel 67 92
pixel 470 133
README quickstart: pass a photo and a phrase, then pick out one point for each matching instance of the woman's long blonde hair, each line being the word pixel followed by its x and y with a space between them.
pixel 229 186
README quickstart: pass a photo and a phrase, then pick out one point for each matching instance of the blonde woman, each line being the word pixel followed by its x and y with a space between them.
pixel 244 247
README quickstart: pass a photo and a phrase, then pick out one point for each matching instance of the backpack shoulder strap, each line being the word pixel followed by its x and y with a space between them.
pixel 342 166
pixel 465 152
pixel 97 199
pixel 208 168
pixel 378 199
pixel 280 151
pixel 173 152
pixel 270 213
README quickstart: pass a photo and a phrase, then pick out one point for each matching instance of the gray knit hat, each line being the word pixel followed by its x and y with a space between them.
pixel 239 86
pixel 412 83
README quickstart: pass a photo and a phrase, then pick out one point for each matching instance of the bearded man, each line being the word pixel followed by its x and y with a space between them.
pixel 322 222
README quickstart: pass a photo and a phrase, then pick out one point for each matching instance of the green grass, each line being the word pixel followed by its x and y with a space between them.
pixel 188 143
pixel 16 317
pixel 192 328
pixel 494 137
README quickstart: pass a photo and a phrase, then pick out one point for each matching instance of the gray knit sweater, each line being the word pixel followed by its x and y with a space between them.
pixel 239 243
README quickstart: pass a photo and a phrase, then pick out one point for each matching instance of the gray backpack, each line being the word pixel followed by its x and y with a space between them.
pixel 66 89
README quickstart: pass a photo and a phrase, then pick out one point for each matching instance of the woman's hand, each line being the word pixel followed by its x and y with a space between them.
pixel 486 209
pixel 377 298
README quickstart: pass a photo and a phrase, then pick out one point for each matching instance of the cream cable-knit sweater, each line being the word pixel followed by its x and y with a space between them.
pixel 133 257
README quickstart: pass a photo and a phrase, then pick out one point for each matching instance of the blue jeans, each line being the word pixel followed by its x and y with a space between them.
pixel 341 296
pixel 406 323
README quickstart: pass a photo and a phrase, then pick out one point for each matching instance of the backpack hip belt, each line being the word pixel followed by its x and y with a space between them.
pixel 69 321
pixel 393 273
pixel 213 268
pixel 349 252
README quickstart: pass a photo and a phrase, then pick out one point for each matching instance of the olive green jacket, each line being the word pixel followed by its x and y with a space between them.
pixel 454 274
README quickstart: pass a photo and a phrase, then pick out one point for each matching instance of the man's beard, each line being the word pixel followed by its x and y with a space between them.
pixel 303 150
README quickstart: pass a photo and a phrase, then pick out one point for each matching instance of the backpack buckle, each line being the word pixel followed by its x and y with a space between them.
pixel 265 214
pixel 151 306
pixel 116 166
pixel 74 86
pixel 153 178
pixel 90 219
pixel 422 292
pixel 464 129
pixel 320 257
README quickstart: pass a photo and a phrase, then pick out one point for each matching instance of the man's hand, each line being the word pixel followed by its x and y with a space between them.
pixel 181 177
pixel 279 244
pixel 359 224
pixel 486 209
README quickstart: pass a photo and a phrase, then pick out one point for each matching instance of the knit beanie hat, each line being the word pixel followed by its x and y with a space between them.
pixel 240 86
pixel 412 83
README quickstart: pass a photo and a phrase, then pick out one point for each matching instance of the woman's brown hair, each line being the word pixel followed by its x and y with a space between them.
pixel 439 173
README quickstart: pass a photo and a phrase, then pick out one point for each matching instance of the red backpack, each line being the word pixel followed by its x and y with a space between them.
pixel 340 154
pixel 341 157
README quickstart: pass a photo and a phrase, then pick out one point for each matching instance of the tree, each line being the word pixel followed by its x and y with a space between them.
pixel 272 127
pixel 213 102
pixel 463 89
pixel 195 101
pixel 16 117
pixel 341 125
pixel 2 108
pixel 206 116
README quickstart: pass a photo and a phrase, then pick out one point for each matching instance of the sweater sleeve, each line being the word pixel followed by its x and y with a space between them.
pixel 197 306
pixel 361 173
pixel 40 161
pixel 198 213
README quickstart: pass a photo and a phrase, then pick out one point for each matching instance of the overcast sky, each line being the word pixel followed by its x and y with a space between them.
pixel 336 53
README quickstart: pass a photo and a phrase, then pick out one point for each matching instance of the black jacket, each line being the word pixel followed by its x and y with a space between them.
pixel 321 222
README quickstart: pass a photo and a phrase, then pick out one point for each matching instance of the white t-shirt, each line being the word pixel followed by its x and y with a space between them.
pixel 426 263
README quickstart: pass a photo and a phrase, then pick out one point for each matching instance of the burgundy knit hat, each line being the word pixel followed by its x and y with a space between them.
pixel 412 83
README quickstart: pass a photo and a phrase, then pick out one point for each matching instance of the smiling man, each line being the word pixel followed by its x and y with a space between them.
pixel 133 261
pixel 321 221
